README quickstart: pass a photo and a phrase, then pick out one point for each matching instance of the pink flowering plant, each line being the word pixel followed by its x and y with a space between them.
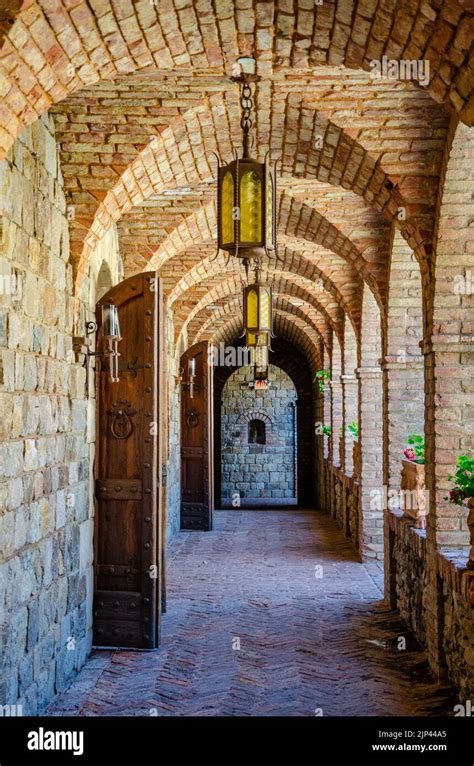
pixel 415 450
pixel 463 480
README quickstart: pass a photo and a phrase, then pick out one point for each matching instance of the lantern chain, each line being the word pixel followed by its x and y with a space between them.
pixel 246 120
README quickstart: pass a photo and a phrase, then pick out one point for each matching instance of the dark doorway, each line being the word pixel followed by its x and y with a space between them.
pixel 286 356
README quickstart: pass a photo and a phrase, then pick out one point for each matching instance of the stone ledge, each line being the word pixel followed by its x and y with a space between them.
pixel 451 562
pixel 403 527
pixel 452 567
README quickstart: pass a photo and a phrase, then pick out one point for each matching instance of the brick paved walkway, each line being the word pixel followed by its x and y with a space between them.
pixel 306 642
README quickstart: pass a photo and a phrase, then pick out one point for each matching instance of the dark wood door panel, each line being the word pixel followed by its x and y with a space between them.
pixel 196 443
pixel 128 537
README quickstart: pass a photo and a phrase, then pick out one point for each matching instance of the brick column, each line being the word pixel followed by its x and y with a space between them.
pixel 403 396
pixel 336 458
pixel 449 427
pixel 371 478
pixel 350 399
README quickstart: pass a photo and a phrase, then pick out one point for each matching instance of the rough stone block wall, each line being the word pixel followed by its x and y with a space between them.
pixel 409 568
pixel 457 631
pixel 409 561
pixel 258 472
pixel 45 518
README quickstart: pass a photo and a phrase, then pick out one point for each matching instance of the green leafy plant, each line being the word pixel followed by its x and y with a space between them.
pixel 327 430
pixel 463 480
pixel 416 449
pixel 353 428
pixel 321 377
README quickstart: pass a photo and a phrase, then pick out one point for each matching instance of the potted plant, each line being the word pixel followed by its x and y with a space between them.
pixel 321 377
pixel 415 451
pixel 326 430
pixel 463 480
pixel 353 428
pixel 413 481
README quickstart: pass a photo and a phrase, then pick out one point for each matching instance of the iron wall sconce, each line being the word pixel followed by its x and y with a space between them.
pixel 189 384
pixel 111 334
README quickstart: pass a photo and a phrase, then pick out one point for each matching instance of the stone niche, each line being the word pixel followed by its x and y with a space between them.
pixel 258 441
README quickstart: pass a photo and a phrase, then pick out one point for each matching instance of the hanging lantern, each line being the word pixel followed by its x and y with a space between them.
pixel 258 320
pixel 258 324
pixel 246 195
pixel 260 363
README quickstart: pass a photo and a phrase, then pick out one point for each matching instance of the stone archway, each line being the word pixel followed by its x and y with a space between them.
pixel 258 472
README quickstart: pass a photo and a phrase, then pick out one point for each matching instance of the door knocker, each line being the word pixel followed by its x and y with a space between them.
pixel 192 418
pixel 121 425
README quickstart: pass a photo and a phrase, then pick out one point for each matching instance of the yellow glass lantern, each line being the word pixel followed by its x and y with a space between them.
pixel 258 319
pixel 246 195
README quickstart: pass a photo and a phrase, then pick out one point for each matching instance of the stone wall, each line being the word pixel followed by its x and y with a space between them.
pixel 409 572
pixel 456 632
pixel 45 521
pixel 260 473
pixel 408 552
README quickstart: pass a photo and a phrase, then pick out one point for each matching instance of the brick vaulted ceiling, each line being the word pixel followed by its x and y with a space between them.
pixel 141 97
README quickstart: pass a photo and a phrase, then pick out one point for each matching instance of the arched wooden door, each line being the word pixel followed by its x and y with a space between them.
pixel 128 471
pixel 196 441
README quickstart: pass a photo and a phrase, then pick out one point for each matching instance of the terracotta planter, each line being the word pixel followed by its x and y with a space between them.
pixel 356 460
pixel 415 506
pixel 470 524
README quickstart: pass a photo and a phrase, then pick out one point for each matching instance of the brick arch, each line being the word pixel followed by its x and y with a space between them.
pixel 286 326
pixel 181 154
pixel 302 270
pixel 51 52
pixel 255 414
pixel 197 329
pixel 169 160
pixel 295 219
pixel 229 287
pixel 343 161
pixel 190 142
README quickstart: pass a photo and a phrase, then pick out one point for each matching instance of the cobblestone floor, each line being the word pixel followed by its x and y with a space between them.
pixel 307 642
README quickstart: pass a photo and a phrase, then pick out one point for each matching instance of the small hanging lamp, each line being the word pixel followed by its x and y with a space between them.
pixel 246 193
pixel 258 324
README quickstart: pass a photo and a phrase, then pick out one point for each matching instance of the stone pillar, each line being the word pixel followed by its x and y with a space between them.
pixel 371 478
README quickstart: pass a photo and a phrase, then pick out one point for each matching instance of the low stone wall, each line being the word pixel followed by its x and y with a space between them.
pixel 409 580
pixel 458 620
pixel 409 564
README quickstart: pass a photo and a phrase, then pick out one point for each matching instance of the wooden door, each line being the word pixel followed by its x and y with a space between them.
pixel 196 442
pixel 128 528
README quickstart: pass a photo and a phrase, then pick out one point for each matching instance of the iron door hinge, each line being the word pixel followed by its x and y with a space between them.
pixel 164 475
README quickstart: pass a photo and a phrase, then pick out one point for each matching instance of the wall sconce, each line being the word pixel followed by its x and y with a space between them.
pixel 111 333
pixel 189 384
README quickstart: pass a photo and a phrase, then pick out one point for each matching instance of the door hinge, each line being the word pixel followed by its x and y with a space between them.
pixel 164 475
